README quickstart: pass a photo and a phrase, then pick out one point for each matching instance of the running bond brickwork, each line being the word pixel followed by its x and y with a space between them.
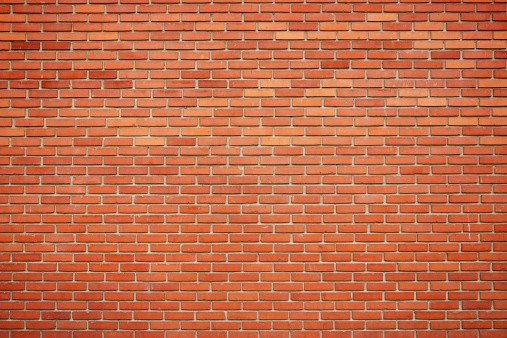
pixel 209 169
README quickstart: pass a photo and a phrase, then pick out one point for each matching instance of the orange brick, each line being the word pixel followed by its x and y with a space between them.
pixel 253 169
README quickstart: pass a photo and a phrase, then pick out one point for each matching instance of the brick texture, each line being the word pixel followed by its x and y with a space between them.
pixel 243 169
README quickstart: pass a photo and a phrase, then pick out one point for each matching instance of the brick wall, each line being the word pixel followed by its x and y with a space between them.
pixel 243 169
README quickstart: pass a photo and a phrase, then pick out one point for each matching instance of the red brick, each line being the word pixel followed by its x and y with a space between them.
pixel 253 169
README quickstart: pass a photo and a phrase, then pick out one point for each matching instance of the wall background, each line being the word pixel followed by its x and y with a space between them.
pixel 204 169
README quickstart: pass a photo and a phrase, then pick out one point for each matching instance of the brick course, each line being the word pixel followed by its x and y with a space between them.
pixel 253 169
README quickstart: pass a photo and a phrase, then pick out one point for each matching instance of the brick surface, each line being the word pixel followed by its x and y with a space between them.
pixel 208 169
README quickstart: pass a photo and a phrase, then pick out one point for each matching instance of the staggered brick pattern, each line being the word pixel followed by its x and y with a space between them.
pixel 253 168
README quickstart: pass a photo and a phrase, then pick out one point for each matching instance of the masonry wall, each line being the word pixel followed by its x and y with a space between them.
pixel 244 169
